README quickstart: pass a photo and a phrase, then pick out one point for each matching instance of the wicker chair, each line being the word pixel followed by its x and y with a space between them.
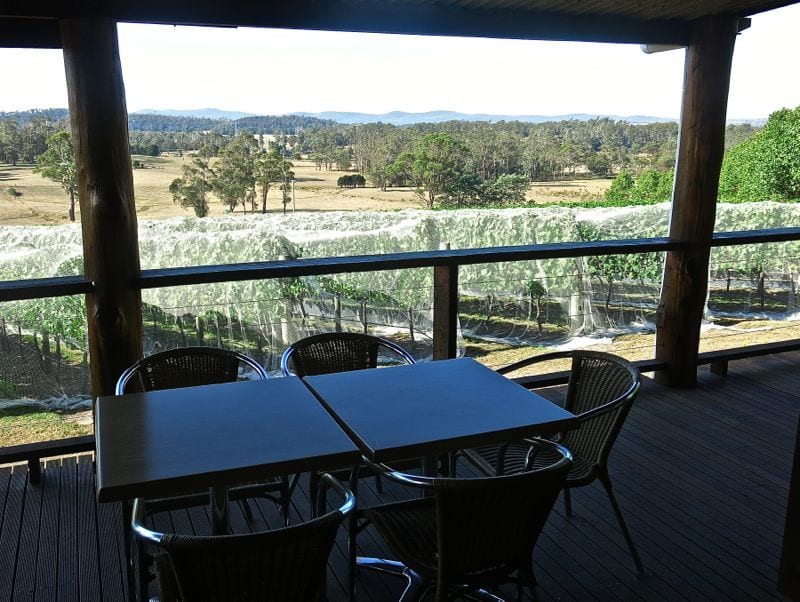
pixel 601 390
pixel 184 367
pixel 284 564
pixel 471 534
pixel 339 352
pixel 332 352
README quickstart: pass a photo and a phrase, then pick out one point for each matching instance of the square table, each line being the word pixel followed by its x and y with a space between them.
pixel 168 442
pixel 431 408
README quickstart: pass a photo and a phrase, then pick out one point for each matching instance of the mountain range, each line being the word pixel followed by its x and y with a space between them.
pixel 404 118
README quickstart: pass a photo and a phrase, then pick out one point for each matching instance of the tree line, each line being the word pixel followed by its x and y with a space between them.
pixel 451 164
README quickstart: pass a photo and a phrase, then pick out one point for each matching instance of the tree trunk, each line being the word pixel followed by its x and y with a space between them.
pixel 700 149
pixel 71 205
pixel 99 122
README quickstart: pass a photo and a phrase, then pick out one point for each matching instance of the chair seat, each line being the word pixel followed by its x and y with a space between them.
pixel 409 528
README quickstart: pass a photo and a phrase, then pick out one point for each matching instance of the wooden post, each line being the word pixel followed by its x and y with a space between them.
pixel 445 311
pixel 364 322
pixel 99 122
pixel 337 312
pixel 789 571
pixel 700 148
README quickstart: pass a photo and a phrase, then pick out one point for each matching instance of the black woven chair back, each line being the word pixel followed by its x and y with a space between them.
pixel 485 528
pixel 186 367
pixel 598 380
pixel 285 564
pixel 331 352
pixel 488 527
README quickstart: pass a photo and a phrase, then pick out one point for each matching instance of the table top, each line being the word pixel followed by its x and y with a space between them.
pixel 434 407
pixel 167 442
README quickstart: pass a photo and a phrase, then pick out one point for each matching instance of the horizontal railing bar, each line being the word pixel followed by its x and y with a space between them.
pixel 61 286
pixel 46 449
pixel 182 276
pixel 738 353
pixel 749 237
pixel 15 290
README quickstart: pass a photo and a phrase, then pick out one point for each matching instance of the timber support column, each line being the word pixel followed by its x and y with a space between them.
pixel 701 142
pixel 105 182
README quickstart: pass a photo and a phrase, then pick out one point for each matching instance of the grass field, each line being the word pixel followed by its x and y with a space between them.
pixel 38 201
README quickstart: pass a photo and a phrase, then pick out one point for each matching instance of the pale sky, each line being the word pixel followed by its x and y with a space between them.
pixel 271 72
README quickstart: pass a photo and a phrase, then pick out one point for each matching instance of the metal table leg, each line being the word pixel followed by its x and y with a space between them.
pixel 352 532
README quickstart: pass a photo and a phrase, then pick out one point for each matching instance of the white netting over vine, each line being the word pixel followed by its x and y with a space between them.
pixel 530 302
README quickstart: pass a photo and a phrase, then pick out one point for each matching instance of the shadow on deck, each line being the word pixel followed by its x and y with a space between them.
pixel 701 475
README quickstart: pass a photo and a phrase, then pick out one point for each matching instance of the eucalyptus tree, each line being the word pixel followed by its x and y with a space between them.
pixel 271 167
pixel 435 164
pixel 376 147
pixel 57 163
pixel 233 178
pixel 191 191
pixel 9 141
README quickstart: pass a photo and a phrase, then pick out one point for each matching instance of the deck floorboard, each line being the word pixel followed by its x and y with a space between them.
pixel 701 476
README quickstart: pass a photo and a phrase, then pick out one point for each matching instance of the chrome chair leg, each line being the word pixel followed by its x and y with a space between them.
pixel 416 589
pixel 567 502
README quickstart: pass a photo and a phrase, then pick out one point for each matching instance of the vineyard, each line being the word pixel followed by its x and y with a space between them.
pixel 514 305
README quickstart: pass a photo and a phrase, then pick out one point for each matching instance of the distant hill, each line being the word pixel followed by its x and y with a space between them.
pixel 23 117
pixel 267 124
pixel 403 118
pixel 200 113
pixel 226 122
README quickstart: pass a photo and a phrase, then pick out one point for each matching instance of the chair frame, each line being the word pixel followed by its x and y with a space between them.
pixel 418 584
pixel 621 403
pixel 225 542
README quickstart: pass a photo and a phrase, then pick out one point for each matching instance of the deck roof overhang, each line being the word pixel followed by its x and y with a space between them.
pixel 35 24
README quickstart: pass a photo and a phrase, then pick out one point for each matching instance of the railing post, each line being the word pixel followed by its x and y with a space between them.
pixel 694 198
pixel 445 310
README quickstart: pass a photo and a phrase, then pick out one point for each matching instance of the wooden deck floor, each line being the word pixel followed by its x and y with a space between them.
pixel 701 476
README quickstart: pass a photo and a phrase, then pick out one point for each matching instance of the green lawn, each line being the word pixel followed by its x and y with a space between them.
pixel 20 425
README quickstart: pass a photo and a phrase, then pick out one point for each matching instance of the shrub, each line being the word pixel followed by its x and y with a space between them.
pixel 351 181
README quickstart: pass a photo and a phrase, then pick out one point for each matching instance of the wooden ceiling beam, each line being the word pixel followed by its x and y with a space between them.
pixel 29 33
pixel 371 17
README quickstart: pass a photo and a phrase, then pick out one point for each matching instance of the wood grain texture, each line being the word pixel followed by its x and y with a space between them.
pixel 700 147
pixel 445 312
pixel 99 122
